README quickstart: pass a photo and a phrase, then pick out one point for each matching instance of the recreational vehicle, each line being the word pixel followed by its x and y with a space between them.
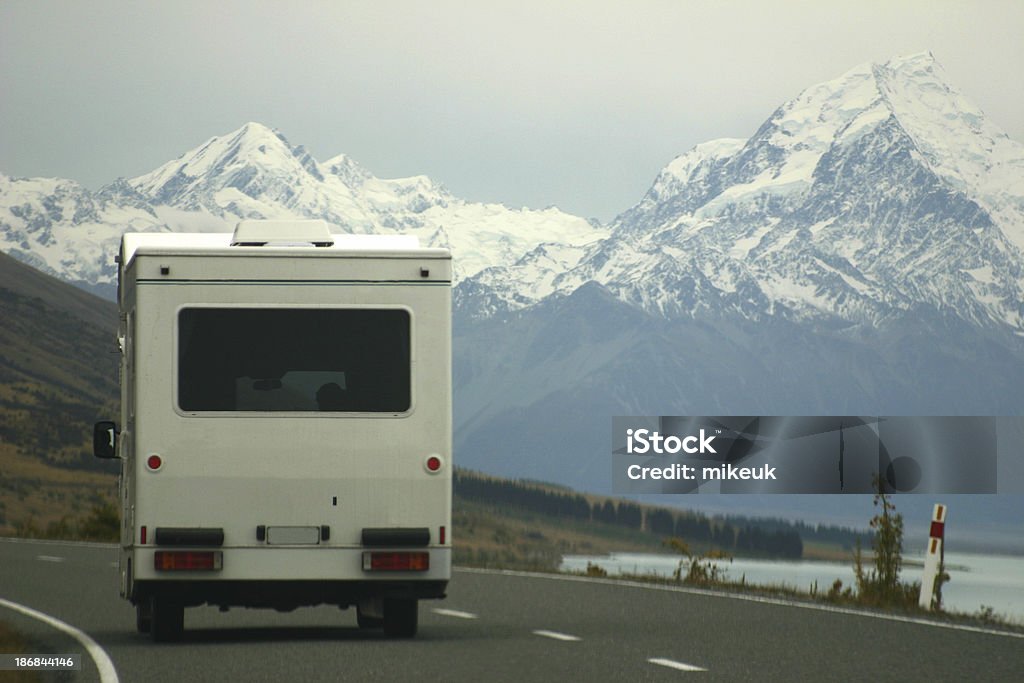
pixel 285 431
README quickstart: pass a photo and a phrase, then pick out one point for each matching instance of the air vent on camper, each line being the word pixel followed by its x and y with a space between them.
pixel 261 233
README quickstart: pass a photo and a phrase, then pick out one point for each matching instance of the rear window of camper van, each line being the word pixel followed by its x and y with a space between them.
pixel 294 360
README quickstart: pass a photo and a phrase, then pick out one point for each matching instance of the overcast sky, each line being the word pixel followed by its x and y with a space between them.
pixel 576 104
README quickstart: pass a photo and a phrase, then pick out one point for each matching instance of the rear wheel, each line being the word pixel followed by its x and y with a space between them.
pixel 143 616
pixel 168 619
pixel 401 618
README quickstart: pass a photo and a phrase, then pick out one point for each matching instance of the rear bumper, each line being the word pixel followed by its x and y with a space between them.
pixel 283 577
pixel 288 563
pixel 285 595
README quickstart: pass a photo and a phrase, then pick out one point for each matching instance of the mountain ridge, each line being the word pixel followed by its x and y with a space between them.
pixel 779 223
pixel 254 172
pixel 830 211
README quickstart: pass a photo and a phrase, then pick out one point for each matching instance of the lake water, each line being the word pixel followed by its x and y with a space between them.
pixel 975 580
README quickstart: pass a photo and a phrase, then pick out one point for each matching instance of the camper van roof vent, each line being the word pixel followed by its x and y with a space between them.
pixel 259 233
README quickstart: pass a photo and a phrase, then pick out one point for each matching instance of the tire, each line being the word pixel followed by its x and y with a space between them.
pixel 168 620
pixel 143 616
pixel 401 618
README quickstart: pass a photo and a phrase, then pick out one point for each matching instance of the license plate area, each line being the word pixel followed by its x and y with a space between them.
pixel 293 535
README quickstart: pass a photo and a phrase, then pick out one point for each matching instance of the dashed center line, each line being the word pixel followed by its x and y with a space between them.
pixel 454 613
pixel 673 664
pixel 49 558
pixel 556 635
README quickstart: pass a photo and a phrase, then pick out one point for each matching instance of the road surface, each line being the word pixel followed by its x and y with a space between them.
pixel 493 626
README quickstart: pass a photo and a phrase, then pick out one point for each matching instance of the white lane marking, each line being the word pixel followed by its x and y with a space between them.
pixel 74 544
pixel 747 598
pixel 556 635
pixel 108 674
pixel 454 613
pixel 673 664
pixel 49 558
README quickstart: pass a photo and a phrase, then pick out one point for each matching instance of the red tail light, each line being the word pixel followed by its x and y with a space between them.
pixel 396 561
pixel 188 560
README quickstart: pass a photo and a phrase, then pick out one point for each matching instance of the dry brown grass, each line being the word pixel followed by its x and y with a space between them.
pixel 33 491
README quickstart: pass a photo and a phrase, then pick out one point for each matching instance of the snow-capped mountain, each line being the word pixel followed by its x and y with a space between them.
pixel 63 229
pixel 859 254
pixel 859 199
pixel 255 172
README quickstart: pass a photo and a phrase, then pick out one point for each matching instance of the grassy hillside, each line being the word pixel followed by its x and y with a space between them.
pixel 58 375
pixel 58 365
pixel 40 499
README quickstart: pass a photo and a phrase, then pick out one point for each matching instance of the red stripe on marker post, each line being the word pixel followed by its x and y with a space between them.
pixel 933 558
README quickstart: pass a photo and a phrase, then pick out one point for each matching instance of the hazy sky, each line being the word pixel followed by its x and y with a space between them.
pixel 577 104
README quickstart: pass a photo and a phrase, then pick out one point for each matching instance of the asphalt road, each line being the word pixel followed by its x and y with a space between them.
pixel 492 627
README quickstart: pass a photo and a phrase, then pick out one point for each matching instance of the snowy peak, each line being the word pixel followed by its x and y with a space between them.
pixel 907 98
pixel 346 169
pixel 254 172
pixel 842 108
pixel 252 160
pixel 955 138
pixel 864 197
pixel 982 160
pixel 784 152
pixel 778 162
pixel 916 87
pixel 953 135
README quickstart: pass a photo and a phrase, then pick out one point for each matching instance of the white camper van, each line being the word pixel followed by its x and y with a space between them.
pixel 285 434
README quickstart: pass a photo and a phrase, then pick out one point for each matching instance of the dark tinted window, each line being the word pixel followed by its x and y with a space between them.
pixel 293 360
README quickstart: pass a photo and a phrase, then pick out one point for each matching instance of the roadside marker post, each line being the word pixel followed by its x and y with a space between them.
pixel 932 557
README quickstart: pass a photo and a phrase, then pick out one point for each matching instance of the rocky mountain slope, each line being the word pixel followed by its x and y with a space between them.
pixel 855 202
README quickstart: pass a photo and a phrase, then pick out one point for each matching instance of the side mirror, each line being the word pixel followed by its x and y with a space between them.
pixel 104 440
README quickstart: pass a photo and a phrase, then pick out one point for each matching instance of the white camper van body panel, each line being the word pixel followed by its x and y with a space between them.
pixel 285 472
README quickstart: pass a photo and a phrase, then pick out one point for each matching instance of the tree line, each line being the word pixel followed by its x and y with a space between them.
pixel 735 534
